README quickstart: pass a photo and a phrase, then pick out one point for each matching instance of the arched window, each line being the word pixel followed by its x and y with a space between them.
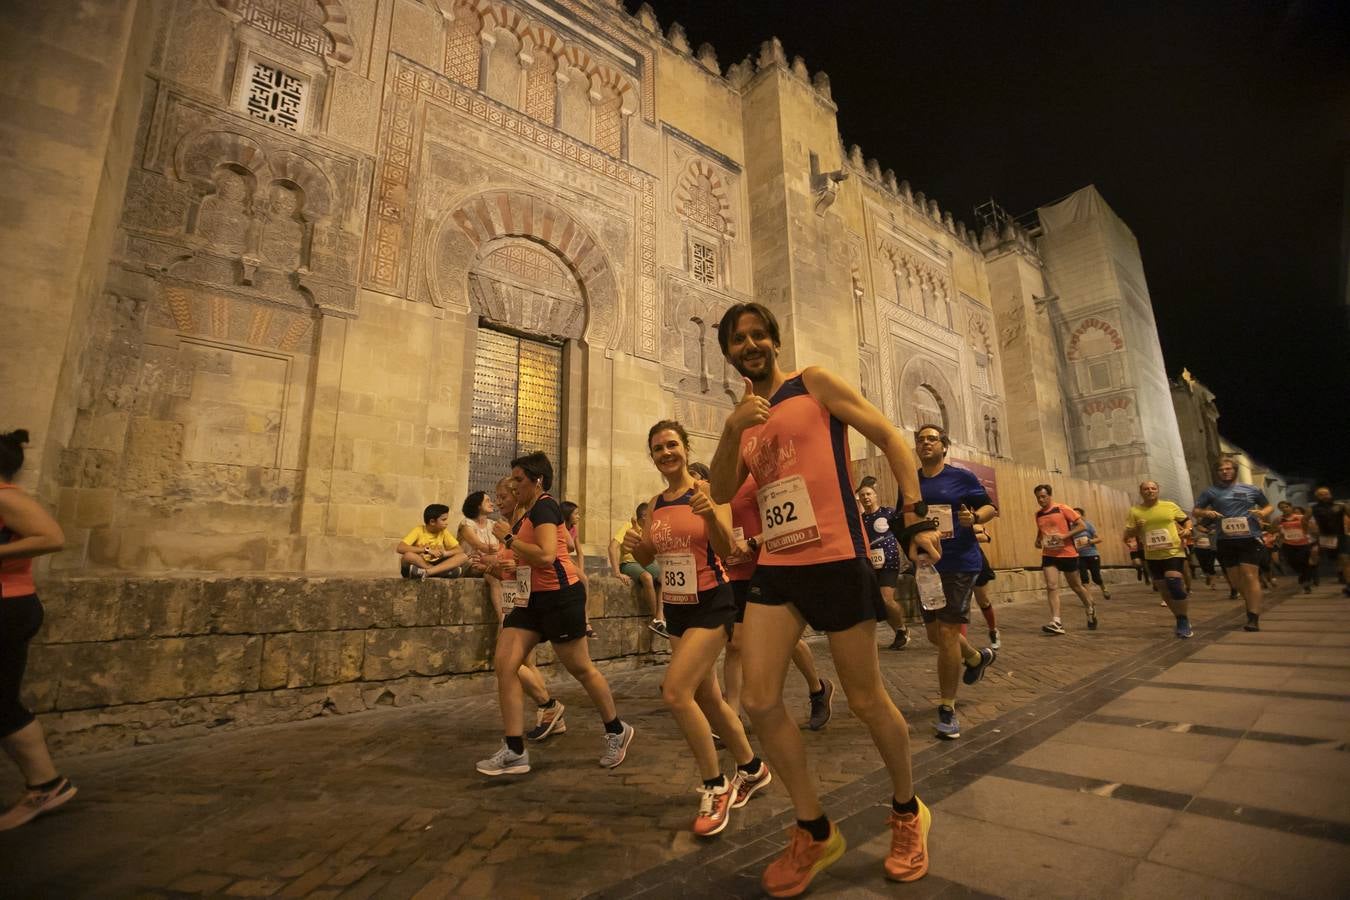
pixel 929 407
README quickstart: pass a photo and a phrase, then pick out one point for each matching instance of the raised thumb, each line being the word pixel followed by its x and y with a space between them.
pixel 749 387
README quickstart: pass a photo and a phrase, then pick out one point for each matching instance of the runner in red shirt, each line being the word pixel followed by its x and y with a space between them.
pixel 1056 527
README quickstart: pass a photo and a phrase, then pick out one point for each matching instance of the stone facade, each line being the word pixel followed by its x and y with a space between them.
pixel 270 258
pixel 324 203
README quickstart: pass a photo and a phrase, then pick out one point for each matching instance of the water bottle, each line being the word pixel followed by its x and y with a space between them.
pixel 926 577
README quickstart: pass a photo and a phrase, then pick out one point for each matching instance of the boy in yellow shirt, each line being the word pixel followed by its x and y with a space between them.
pixel 430 550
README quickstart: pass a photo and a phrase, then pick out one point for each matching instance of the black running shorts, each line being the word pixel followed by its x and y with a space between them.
pixel 831 596
pixel 887 577
pixel 556 616
pixel 958 588
pixel 1161 568
pixel 1066 564
pixel 1239 553
pixel 715 608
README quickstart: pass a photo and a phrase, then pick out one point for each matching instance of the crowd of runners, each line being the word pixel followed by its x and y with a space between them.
pixel 735 560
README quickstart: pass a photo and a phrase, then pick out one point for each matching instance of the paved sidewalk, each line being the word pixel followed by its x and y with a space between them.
pixel 1100 763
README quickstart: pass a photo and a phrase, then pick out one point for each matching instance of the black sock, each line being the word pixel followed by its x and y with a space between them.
pixel 821 690
pixel 819 828
pixel 719 782
pixel 1253 617
pixel 908 808
pixel 549 703
pixel 752 766
pixel 615 727
pixel 515 743
pixel 46 785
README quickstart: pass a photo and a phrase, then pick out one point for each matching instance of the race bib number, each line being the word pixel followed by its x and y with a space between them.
pixel 1327 541
pixel 511 596
pixel 522 585
pixel 1236 526
pixel 1295 535
pixel 877 556
pixel 940 514
pixel 789 518
pixel 1053 541
pixel 1159 539
pixel 1082 541
pixel 679 578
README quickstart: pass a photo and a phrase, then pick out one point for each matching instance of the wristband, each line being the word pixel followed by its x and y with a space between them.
pixel 506 541
pixel 906 534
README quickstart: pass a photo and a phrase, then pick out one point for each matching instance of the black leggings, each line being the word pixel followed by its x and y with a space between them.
pixel 1299 559
pixel 20 619
pixel 1090 569
pixel 1205 557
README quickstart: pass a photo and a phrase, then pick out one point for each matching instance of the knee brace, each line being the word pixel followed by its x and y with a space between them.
pixel 1176 587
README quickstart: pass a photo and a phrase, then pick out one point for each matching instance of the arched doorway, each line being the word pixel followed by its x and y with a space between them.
pixel 528 304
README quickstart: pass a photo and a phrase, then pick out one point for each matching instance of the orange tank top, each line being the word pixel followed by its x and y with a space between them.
pixel 16 575
pixel 800 459
pixel 563 571
pixel 745 517
pixel 688 563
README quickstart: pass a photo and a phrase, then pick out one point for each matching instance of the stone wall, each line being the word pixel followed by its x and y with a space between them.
pixel 143 660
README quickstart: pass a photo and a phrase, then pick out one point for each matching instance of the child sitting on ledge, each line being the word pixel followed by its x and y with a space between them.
pixel 430 550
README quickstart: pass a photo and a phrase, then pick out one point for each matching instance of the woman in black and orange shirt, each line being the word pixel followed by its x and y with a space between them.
pixel 26 531
pixel 550 605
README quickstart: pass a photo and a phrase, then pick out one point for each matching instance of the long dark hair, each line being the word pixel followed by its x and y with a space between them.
pixel 11 453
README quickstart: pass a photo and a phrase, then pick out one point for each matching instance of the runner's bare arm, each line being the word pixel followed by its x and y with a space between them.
pixel 850 407
pixel 38 532
pixel 727 468
pixel 638 542
pixel 543 553
pixel 717 517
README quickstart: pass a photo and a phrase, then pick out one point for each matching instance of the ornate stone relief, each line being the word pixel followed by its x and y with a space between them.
pixel 691 360
pixel 701 197
pixel 1102 335
pixel 321 27
pixel 926 392
pixel 219 201
pixel 531 264
pixel 388 248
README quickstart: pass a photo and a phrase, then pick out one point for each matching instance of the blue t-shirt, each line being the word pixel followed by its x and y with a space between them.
pixel 880 536
pixel 945 493
pixel 1233 502
pixel 1086 548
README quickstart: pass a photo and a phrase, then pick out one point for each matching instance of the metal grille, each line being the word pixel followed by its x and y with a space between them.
pixel 275 96
pixel 517 405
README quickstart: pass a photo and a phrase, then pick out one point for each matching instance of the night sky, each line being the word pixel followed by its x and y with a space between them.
pixel 1220 133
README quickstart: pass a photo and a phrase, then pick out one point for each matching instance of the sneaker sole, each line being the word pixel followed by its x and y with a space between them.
pixel 558 726
pixel 53 803
pixel 744 798
pixel 509 770
pixel 942 736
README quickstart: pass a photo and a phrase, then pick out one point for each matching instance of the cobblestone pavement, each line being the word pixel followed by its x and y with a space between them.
pixel 387 803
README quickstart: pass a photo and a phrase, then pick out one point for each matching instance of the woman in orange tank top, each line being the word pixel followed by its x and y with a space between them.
pixel 26 531
pixel 550 606
pixel 688 534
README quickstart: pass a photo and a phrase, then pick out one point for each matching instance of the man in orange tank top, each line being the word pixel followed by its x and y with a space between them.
pixel 790 431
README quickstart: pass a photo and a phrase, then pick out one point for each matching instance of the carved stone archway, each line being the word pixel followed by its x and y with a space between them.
pixel 473 231
pixel 924 387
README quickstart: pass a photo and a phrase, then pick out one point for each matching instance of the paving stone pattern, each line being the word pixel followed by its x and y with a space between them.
pixel 387 803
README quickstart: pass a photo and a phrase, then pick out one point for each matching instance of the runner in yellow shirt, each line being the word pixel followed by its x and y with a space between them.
pixel 1155 524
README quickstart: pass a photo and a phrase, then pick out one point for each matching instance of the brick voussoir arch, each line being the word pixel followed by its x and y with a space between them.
pixel 482 218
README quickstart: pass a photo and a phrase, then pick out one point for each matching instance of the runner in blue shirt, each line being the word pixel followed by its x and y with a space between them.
pixel 1235 511
pixel 956 501
pixel 1089 559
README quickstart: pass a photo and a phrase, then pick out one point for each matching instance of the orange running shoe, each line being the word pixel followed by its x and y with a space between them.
pixel 791 873
pixel 714 808
pixel 908 859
